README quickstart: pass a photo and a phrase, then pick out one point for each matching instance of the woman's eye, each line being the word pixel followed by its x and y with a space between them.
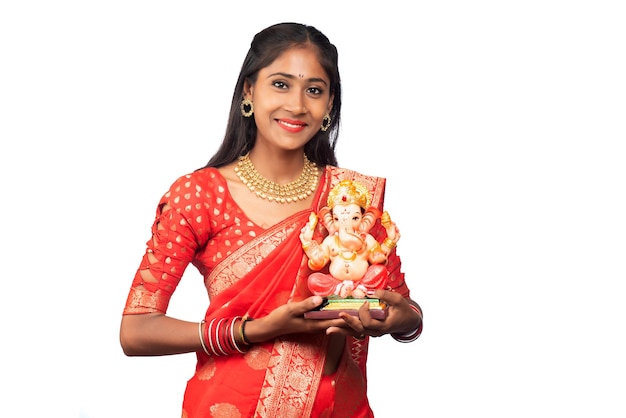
pixel 315 90
pixel 280 84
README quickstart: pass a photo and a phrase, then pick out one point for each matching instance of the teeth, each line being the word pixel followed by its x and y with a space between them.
pixel 289 124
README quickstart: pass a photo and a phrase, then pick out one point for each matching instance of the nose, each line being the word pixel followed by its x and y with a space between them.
pixel 296 103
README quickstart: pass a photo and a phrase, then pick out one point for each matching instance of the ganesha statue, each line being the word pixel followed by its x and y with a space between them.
pixel 356 260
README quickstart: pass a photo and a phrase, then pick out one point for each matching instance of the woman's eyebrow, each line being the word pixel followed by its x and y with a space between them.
pixel 293 77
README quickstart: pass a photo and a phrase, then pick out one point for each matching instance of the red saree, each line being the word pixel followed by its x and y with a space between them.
pixel 250 270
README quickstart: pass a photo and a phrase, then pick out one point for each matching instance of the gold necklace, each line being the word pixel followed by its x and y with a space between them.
pixel 352 256
pixel 298 189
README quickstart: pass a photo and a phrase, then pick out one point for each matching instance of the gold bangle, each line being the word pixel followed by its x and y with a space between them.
pixel 389 243
pixel 242 332
pixel 313 266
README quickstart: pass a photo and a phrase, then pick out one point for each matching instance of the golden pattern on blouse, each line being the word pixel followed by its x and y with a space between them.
pixel 144 301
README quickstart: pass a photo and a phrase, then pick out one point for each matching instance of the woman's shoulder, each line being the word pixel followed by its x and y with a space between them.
pixel 196 182
pixel 197 178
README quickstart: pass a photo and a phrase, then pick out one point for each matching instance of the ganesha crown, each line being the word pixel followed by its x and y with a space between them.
pixel 349 192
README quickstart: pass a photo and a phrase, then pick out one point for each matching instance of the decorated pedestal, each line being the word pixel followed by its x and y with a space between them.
pixel 333 305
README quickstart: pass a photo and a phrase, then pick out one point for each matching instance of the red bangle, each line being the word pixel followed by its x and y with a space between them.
pixel 219 337
pixel 208 336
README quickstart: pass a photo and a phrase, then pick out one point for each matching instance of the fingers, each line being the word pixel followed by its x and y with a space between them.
pixel 375 293
pixel 365 318
pixel 354 326
pixel 308 304
pixel 352 321
pixel 390 298
pixel 297 309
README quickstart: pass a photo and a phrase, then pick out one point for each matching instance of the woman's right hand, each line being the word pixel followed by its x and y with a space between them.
pixel 289 319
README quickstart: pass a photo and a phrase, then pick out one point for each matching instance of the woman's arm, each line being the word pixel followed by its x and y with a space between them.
pixel 156 334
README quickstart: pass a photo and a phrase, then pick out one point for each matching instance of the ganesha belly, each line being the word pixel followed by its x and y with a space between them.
pixel 349 261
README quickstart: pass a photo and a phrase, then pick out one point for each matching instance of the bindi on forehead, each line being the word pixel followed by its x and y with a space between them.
pixel 301 75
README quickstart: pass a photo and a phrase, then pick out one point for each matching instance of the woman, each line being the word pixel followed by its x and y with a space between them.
pixel 238 220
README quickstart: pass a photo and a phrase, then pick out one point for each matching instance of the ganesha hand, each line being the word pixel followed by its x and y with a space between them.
pixel 385 219
pixel 393 233
pixel 312 220
pixel 306 233
pixel 390 226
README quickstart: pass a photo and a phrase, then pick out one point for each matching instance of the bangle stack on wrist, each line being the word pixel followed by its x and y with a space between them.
pixel 218 337
pixel 412 335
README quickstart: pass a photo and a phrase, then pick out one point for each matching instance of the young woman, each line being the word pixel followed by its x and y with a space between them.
pixel 238 221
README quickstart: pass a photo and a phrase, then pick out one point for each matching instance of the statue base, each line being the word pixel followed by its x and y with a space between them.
pixel 332 306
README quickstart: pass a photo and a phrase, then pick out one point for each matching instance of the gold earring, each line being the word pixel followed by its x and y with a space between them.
pixel 247 108
pixel 326 122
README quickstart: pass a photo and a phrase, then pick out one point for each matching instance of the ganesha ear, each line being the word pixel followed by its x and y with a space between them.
pixel 326 215
pixel 369 218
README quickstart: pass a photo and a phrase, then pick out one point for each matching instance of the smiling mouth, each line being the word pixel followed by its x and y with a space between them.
pixel 291 125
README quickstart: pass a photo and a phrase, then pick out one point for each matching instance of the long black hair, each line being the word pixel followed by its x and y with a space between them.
pixel 266 46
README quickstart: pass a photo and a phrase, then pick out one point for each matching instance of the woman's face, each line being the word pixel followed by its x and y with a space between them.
pixel 290 97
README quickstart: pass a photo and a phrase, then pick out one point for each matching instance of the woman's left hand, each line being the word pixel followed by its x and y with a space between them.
pixel 401 318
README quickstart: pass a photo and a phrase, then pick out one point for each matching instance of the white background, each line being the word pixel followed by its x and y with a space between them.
pixel 499 125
